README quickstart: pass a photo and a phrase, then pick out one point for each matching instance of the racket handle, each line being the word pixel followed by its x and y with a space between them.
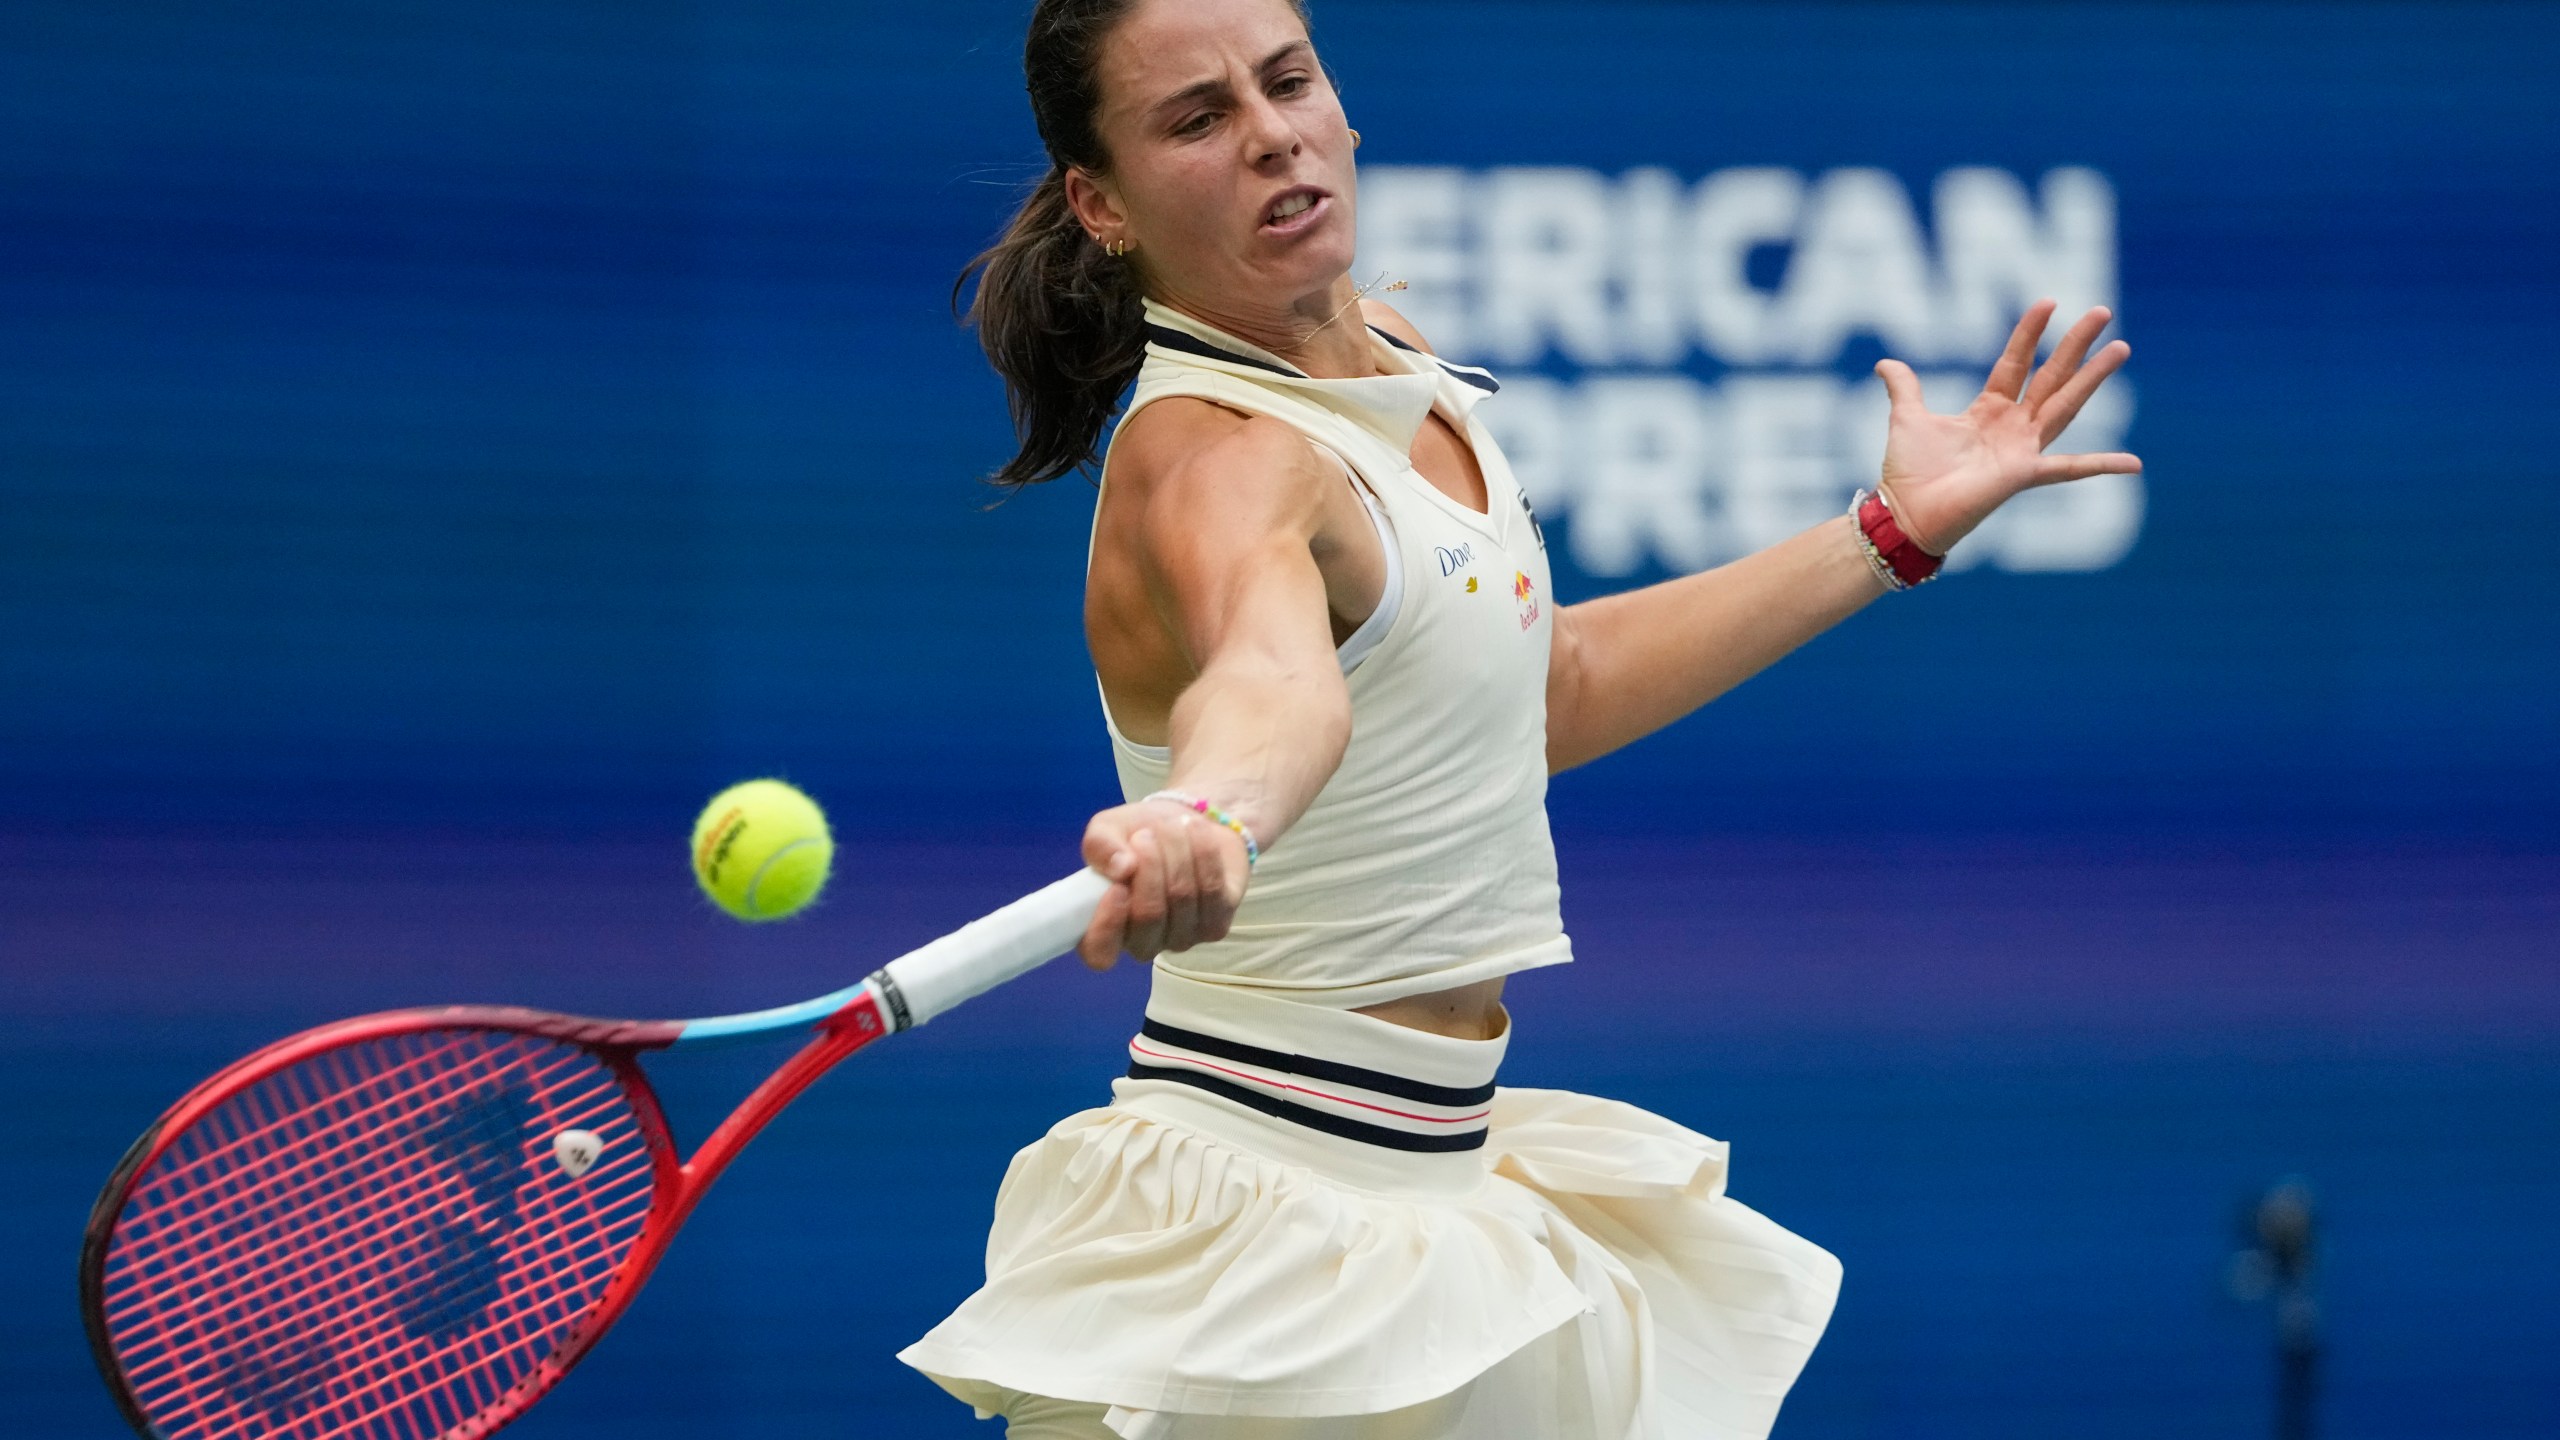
pixel 986 952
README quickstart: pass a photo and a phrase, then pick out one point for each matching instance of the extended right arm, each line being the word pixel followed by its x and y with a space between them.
pixel 1206 589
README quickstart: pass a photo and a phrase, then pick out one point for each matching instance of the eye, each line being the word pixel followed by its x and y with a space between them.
pixel 1197 124
pixel 1290 85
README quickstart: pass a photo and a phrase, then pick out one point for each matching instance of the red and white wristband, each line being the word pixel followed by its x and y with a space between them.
pixel 1896 558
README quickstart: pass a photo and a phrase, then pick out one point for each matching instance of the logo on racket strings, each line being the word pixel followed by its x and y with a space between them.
pixel 576 1151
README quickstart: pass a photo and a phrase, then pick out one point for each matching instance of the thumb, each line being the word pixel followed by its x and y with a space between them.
pixel 1901 386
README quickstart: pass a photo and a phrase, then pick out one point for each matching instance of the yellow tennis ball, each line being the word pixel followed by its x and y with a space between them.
pixel 761 850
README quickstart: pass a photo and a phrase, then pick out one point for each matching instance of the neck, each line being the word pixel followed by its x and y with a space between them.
pixel 1321 333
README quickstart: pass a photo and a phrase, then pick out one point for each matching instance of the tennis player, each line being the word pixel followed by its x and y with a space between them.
pixel 1336 681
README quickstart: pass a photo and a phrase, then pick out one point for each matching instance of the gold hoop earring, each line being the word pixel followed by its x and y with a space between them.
pixel 1118 248
pixel 1355 139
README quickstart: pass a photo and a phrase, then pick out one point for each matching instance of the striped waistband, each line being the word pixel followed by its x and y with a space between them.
pixel 1348 1075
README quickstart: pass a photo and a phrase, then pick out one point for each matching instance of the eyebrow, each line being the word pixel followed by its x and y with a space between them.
pixel 1203 89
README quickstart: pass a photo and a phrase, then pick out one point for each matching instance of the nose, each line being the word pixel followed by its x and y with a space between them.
pixel 1268 134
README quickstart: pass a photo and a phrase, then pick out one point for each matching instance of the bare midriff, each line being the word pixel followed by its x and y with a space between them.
pixel 1464 1012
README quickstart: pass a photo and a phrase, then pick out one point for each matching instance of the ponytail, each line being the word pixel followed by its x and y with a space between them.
pixel 1062 323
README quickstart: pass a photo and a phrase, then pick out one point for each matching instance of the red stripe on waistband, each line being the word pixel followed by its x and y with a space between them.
pixel 1267 1083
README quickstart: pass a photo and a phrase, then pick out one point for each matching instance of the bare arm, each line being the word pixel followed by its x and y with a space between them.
pixel 1220 537
pixel 1626 665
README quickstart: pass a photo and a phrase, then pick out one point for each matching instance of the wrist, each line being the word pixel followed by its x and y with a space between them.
pixel 1215 815
pixel 1930 541
pixel 1892 554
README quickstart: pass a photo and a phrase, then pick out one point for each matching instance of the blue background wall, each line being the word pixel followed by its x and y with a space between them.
pixel 441 443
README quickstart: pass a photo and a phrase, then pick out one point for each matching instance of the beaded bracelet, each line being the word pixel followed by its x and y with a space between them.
pixel 1193 803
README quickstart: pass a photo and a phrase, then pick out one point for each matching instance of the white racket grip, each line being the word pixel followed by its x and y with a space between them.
pixel 986 952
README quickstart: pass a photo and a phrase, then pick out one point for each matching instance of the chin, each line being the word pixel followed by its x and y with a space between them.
pixel 1315 265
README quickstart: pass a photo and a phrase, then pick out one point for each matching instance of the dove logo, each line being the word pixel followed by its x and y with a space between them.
pixel 576 1151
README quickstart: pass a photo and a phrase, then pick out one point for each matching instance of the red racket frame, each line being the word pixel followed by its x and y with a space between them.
pixel 677 1185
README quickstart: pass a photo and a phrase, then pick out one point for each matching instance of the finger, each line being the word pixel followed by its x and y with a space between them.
pixel 2055 469
pixel 1146 897
pixel 2064 407
pixel 2066 356
pixel 1106 846
pixel 1100 947
pixel 1900 386
pixel 1181 884
pixel 2010 374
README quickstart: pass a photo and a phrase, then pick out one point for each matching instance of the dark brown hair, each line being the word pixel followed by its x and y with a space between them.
pixel 1059 319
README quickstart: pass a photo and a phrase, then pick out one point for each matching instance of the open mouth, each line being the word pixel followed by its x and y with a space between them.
pixel 1296 208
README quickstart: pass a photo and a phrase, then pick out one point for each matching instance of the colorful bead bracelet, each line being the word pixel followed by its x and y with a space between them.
pixel 1198 806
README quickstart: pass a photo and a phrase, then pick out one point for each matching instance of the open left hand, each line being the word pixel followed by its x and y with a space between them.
pixel 1945 474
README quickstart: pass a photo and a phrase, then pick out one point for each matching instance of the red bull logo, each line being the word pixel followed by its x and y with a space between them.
pixel 1525 591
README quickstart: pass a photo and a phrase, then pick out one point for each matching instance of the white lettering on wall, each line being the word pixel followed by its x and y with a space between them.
pixel 1615 284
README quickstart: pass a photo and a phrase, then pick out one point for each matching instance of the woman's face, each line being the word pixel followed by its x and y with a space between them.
pixel 1231 163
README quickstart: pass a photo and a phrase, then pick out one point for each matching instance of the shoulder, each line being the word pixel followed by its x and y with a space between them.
pixel 1384 316
pixel 1181 452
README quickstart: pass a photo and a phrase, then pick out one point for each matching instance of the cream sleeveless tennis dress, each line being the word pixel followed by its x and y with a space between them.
pixel 1297 1221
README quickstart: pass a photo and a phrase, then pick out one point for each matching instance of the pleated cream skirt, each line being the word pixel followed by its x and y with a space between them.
pixel 1220 1255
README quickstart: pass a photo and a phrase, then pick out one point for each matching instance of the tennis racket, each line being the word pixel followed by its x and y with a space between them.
pixel 410 1225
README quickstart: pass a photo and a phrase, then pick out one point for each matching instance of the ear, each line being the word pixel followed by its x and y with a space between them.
pixel 1096 204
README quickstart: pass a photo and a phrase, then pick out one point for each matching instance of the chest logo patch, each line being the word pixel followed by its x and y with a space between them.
pixel 1454 558
pixel 1524 592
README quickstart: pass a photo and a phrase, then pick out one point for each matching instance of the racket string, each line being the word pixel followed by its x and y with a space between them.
pixel 368 1375
pixel 375 1241
pixel 281 1202
pixel 632 1207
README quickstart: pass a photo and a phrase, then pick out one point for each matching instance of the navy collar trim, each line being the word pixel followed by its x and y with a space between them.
pixel 1467 373
pixel 1190 344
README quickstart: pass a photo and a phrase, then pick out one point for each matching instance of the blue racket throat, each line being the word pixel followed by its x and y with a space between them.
pixel 807 1015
